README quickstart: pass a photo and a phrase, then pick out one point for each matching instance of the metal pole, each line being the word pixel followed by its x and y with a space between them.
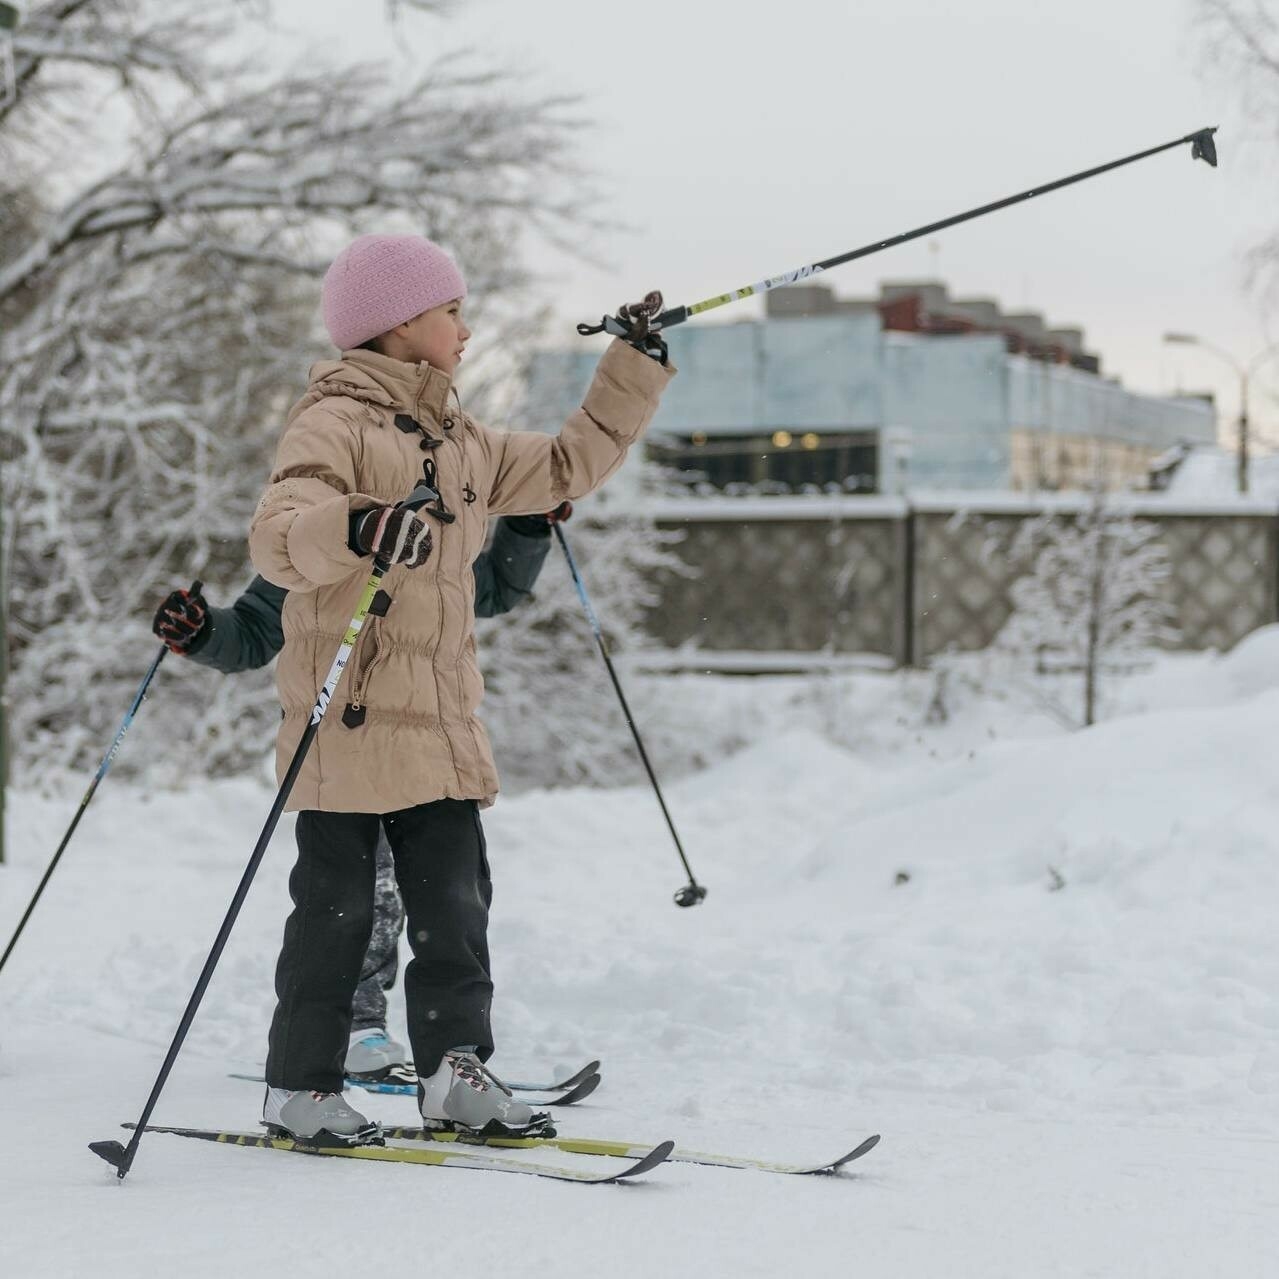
pixel 4 680
pixel 1202 148
pixel 121 1157
pixel 103 769
pixel 1243 432
pixel 691 893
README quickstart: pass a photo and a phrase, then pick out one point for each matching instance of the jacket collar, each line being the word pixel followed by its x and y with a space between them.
pixel 417 389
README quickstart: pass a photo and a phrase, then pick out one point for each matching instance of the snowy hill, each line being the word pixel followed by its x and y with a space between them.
pixel 1044 965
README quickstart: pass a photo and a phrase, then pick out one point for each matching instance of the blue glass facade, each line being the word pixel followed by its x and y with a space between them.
pixel 938 411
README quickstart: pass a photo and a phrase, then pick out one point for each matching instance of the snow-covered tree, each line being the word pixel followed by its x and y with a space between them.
pixel 1091 600
pixel 1241 45
pixel 157 310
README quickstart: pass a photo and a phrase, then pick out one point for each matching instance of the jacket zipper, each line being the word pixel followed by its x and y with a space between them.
pixel 476 753
pixel 373 640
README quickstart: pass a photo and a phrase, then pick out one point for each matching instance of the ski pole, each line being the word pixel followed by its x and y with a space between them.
pixel 1202 148
pixel 692 892
pixel 119 1156
pixel 103 768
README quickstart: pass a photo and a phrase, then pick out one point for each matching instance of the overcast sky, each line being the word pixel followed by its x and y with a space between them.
pixel 738 139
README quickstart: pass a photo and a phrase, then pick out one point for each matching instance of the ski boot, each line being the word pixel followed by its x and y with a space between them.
pixel 374 1057
pixel 465 1097
pixel 317 1118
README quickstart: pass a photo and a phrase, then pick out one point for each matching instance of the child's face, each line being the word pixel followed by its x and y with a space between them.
pixel 436 337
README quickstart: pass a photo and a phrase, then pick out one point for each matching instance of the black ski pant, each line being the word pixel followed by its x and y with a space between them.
pixel 441 866
pixel 382 959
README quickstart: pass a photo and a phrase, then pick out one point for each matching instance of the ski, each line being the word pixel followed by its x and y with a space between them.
pixel 631 1150
pixel 394 1088
pixel 645 1161
pixel 570 1098
pixel 591 1068
pixel 405 1074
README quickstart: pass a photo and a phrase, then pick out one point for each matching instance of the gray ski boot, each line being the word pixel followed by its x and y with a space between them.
pixel 320 1117
pixel 373 1056
pixel 464 1096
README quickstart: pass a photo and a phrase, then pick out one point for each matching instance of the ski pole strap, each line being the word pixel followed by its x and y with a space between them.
pixel 1202 148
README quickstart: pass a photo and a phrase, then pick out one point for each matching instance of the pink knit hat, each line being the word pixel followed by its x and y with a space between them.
pixel 379 281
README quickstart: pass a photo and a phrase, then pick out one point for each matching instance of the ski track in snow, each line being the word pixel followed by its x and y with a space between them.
pixel 1082 1081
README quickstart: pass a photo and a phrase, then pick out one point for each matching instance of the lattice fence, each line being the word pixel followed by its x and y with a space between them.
pixel 878 576
pixel 786 585
pixel 1224 576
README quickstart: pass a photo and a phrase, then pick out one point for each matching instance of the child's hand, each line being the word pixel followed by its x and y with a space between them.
pixel 635 317
pixel 633 324
pixel 391 533
pixel 180 620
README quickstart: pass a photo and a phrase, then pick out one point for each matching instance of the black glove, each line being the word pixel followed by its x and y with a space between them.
pixel 632 324
pixel 182 622
pixel 390 533
pixel 540 525
pixel 635 318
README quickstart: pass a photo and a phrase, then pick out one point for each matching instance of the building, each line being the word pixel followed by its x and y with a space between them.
pixel 913 389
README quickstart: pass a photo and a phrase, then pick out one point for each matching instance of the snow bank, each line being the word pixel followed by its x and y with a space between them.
pixel 1213 473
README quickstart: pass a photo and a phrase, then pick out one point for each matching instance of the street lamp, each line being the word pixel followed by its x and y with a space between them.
pixel 1244 372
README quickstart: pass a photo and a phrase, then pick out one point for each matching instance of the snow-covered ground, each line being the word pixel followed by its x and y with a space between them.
pixel 1044 965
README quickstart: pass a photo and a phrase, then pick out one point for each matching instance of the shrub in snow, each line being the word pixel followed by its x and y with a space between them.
pixel 1090 602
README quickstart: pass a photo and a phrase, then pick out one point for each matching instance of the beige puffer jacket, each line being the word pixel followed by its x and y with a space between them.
pixel 402 727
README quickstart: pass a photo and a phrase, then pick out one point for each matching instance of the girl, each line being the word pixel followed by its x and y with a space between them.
pixel 248 634
pixel 402 748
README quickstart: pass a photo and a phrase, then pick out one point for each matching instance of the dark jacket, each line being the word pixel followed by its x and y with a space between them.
pixel 249 634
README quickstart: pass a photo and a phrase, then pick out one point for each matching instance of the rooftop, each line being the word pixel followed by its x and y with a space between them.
pixel 925 306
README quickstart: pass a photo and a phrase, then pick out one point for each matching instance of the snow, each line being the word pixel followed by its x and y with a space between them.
pixel 1211 499
pixel 1207 474
pixel 1003 502
pixel 1064 1020
pixel 813 506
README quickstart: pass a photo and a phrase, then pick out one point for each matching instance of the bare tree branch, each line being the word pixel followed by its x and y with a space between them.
pixel 123 37
pixel 155 325
pixel 303 149
pixel 1241 46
